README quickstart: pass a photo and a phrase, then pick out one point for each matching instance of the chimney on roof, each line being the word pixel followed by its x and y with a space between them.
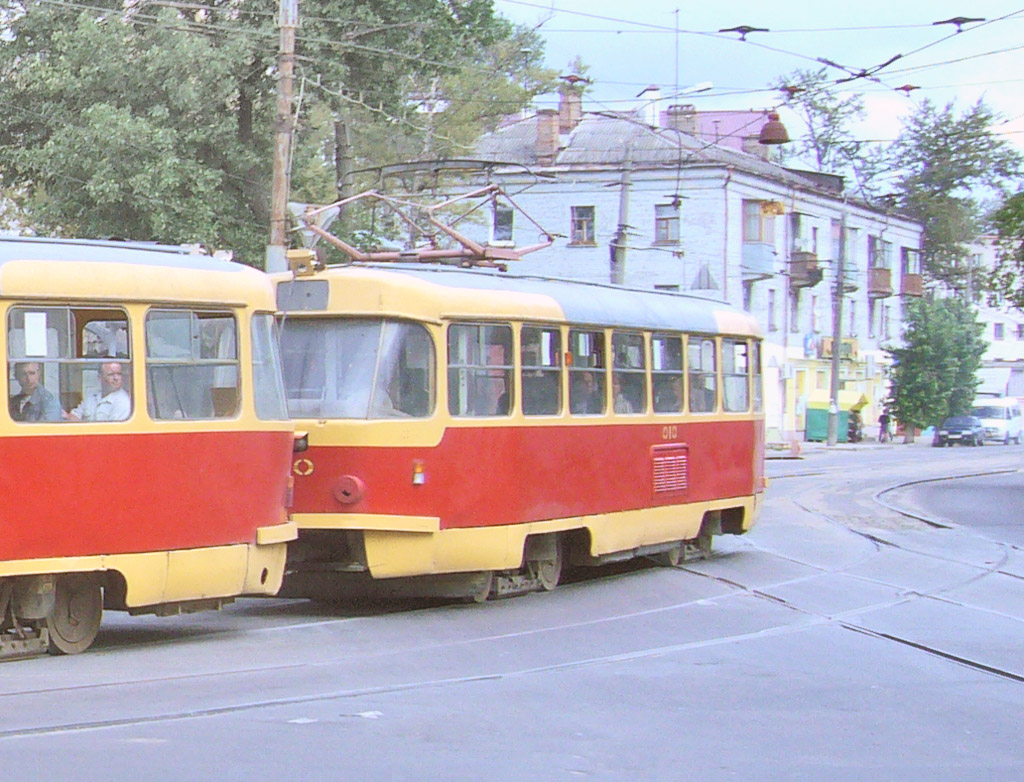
pixel 546 147
pixel 752 146
pixel 650 109
pixel 570 110
pixel 683 117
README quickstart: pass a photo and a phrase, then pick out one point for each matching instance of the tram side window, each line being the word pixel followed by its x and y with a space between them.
pixel 192 367
pixel 700 360
pixel 758 378
pixel 268 390
pixel 667 373
pixel 735 375
pixel 629 373
pixel 479 369
pixel 541 361
pixel 587 372
pixel 357 368
pixel 68 364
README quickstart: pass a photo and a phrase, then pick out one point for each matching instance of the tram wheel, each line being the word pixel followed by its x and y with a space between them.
pixel 671 558
pixel 549 571
pixel 481 590
pixel 76 615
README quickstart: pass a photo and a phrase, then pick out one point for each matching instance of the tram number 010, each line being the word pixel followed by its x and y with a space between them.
pixel 670 432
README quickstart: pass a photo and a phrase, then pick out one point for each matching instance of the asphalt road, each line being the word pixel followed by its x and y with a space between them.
pixel 838 640
pixel 991 504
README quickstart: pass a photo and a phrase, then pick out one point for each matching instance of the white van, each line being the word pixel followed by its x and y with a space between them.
pixel 1001 417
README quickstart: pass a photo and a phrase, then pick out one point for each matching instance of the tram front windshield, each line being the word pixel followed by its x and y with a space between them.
pixel 357 368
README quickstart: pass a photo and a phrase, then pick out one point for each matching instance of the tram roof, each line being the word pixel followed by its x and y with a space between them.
pixel 34 266
pixel 485 292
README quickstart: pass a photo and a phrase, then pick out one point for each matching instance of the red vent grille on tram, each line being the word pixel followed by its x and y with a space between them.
pixel 670 464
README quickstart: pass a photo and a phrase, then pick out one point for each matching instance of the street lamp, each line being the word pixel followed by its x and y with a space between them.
pixel 773 131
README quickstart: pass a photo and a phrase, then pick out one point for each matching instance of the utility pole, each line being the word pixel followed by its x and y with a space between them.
pixel 288 21
pixel 618 243
pixel 837 336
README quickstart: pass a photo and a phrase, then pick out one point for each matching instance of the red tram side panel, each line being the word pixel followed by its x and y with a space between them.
pixel 198 489
pixel 493 476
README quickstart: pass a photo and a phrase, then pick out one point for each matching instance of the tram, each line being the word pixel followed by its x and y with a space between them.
pixel 471 433
pixel 146 447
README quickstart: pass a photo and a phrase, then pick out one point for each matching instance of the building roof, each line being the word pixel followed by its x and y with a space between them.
pixel 601 140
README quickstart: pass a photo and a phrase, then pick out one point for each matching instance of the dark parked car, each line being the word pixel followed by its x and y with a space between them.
pixel 964 429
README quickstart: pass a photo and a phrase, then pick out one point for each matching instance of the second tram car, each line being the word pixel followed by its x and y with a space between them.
pixel 146 446
pixel 470 433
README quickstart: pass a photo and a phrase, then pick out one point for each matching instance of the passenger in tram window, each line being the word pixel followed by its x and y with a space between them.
pixel 34 402
pixel 668 397
pixel 622 402
pixel 110 403
pixel 586 395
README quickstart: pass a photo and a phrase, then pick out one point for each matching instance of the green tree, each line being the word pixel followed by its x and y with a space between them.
pixel 1006 282
pixel 934 375
pixel 156 123
pixel 947 163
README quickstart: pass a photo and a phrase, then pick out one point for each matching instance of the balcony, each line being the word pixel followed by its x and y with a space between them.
pixel 912 285
pixel 879 283
pixel 803 270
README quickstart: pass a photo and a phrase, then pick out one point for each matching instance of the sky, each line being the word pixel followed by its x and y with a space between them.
pixel 674 44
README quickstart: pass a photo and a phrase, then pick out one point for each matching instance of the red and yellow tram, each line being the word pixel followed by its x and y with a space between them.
pixel 471 432
pixel 146 446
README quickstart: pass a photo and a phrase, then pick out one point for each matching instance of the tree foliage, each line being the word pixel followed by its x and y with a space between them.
pixel 946 163
pixel 1006 282
pixel 934 373
pixel 156 122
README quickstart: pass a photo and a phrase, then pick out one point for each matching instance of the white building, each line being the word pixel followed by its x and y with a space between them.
pixel 719 222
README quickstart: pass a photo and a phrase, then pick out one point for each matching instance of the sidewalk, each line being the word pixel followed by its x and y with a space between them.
pixel 802 448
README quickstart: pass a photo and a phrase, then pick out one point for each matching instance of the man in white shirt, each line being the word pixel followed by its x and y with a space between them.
pixel 110 403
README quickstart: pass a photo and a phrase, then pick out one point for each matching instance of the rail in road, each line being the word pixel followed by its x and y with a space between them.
pixel 835 609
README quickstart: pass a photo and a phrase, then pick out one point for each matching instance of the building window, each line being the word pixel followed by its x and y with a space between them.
pixel 794 311
pixel 666 223
pixel 997 334
pixel 853 317
pixel 885 322
pixel 911 261
pixel 758 222
pixel 814 313
pixel 582 231
pixel 772 322
pixel 1020 331
pixel 503 216
pixel 871 318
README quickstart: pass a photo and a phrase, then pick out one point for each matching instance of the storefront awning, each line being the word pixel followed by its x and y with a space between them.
pixel 848 400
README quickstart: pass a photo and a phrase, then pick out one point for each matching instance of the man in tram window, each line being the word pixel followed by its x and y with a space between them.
pixel 586 396
pixel 668 397
pixel 34 402
pixel 622 402
pixel 110 403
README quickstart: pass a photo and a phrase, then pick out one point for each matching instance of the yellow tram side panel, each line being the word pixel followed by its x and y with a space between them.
pixel 399 546
pixel 158 577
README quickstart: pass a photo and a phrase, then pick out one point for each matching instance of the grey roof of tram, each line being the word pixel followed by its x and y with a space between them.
pixel 30 248
pixel 587 302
